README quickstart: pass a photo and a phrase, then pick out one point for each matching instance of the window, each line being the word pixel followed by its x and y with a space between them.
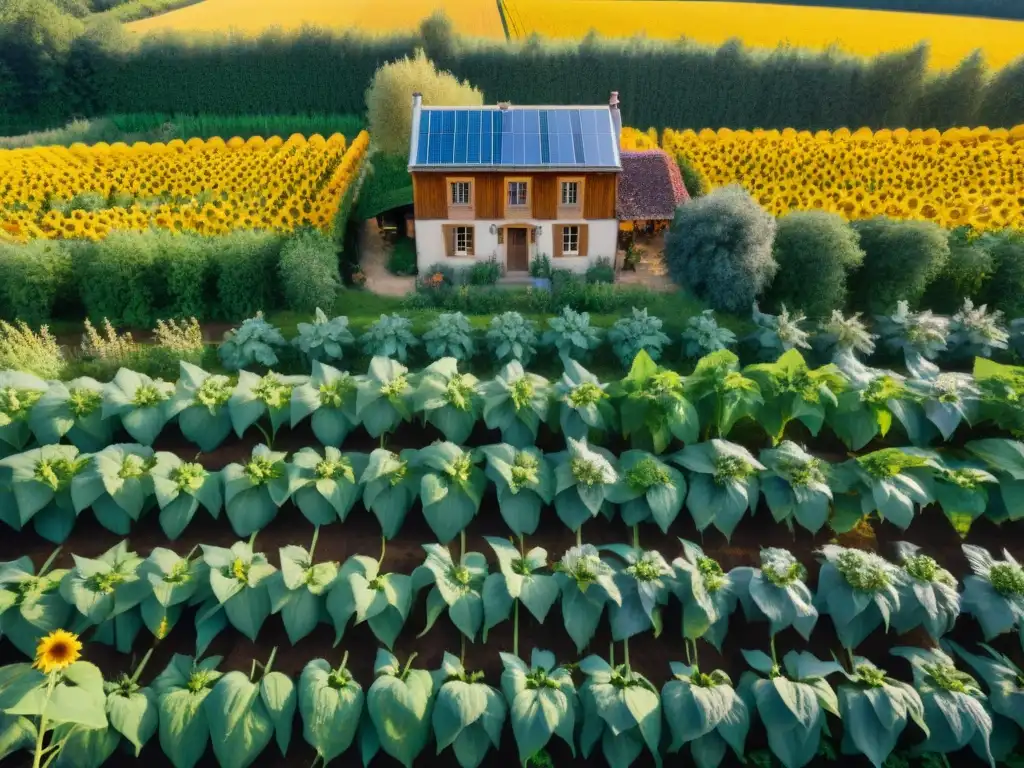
pixel 517 193
pixel 461 193
pixel 570 193
pixel 463 241
pixel 570 241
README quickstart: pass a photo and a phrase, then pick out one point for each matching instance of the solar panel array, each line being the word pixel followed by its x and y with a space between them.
pixel 516 137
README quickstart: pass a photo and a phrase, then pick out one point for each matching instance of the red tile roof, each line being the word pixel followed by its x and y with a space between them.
pixel 650 186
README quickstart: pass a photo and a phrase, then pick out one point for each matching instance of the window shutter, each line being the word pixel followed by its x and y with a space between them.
pixel 448 231
pixel 471 249
pixel 557 245
pixel 583 239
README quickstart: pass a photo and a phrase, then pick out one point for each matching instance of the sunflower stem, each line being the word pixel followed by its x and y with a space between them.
pixel 611 655
pixel 266 436
pixel 252 540
pixel 853 664
pixel 522 546
pixel 462 545
pixel 696 654
pixel 41 734
pixel 252 670
pixel 686 645
pixel 312 545
pixel 56 748
pixel 49 561
pixel 515 627
pixel 408 664
pixel 636 537
pixel 579 536
pixel 344 661
pixel 462 649
pixel 775 660
pixel 383 549
pixel 625 653
pixel 142 664
pixel 270 662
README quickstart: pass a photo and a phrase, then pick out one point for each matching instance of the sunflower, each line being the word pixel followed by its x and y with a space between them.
pixel 57 651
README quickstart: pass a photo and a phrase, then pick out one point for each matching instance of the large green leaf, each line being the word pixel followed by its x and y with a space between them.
pixel 240 725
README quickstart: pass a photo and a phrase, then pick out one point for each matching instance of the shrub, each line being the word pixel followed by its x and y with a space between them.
pixel 402 259
pixel 975 332
pixel 512 337
pixel 389 336
pixel 246 273
pixel 389 98
pixel 900 259
pixel 31 278
pixel 324 339
pixel 694 181
pixel 601 271
pixel 22 349
pixel 308 269
pixel 119 278
pixel 188 266
pixel 571 334
pixel 450 335
pixel 846 335
pixel 720 248
pixel 484 272
pixel 815 252
pixel 779 333
pixel 921 336
pixel 638 332
pixel 182 338
pixel 1005 289
pixel 254 341
pixel 109 346
pixel 87 201
pixel 540 267
pixel 703 335
pixel 964 276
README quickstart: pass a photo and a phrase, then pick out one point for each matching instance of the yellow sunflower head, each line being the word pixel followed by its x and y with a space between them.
pixel 57 651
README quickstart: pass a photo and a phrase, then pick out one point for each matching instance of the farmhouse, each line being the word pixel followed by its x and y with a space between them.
pixel 512 183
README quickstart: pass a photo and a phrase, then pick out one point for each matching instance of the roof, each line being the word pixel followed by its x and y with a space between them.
pixel 650 186
pixel 514 138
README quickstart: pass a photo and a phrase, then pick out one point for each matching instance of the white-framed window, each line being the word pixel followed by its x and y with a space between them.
pixel 463 241
pixel 570 241
pixel 461 193
pixel 517 193
pixel 570 193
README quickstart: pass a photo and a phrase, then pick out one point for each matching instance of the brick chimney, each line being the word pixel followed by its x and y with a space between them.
pixel 613 107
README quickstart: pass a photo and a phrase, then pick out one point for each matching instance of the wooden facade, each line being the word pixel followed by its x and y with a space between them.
pixel 431 195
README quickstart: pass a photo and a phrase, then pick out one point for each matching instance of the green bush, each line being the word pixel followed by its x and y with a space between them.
pixel 308 269
pixel 484 272
pixel 247 273
pixel 693 180
pixel 815 252
pixel 1005 289
pixel 601 271
pixel 119 278
pixel 720 248
pixel 402 259
pixel 900 259
pixel 32 277
pixel 964 276
pixel 188 265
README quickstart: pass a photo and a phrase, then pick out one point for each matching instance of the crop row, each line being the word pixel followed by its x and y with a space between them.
pixel 652 406
pixel 617 707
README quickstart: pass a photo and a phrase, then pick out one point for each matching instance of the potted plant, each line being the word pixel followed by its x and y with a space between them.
pixel 540 271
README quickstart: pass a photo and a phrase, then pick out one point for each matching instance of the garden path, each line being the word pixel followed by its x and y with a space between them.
pixel 374 261
pixel 651 272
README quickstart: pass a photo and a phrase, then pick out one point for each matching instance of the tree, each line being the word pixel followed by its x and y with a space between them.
pixel 1005 289
pixel 720 248
pixel 389 98
pixel 815 252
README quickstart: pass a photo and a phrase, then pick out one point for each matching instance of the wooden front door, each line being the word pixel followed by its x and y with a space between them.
pixel 518 252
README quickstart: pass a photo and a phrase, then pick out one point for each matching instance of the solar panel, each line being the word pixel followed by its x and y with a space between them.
pixel 517 137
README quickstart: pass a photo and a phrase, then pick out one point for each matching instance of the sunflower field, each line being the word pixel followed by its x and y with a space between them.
pixel 208 187
pixel 958 177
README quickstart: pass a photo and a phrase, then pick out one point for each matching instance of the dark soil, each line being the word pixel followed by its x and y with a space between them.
pixel 360 535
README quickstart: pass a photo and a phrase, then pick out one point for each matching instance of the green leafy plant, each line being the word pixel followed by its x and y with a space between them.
pixel 845 337
pixel 328 399
pixel 325 338
pixel 956 712
pixel 74 410
pixel 868 408
pixel 777 593
pixel 721 393
pixel 947 400
pixel 653 408
pixel 40 490
pixel 584 476
pixel 180 488
pixel 892 482
pixel 382 397
pixel 181 693
pixel 116 484
pixel 525 483
pixel 142 404
pixel 31 606
pixel 704 711
pixel 792 700
pixel 517 581
pixel 542 703
pixel 516 402
pixel 582 402
pixel 457 587
pixel 361 591
pixel 790 390
pixel 468 715
pixel 779 333
pixel 587 584
pixel 391 483
pixel 869 696
pixel 723 483
pixel 637 333
pixel 571 335
pixel 976 332
pixel 709 595
pixel 648 490
pixel 921 336
pixel 994 592
pixel 255 490
pixel 621 711
pixel 645 582
pixel 511 337
pixel 451 488
pixel 961 489
pixel 257 396
pixel 859 590
pixel 298 590
pixel 326 484
pixel 703 335
pixel 331 706
pixel 200 402
pixel 254 342
pixel 795 486
pixel 399 705
pixel 1003 678
pixel 238 580
pixel 449 400
pixel 450 335
pixel 390 336
pixel 1002 394
pixel 928 594
pixel 29 351
pixel 1006 460
pixel 176 582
